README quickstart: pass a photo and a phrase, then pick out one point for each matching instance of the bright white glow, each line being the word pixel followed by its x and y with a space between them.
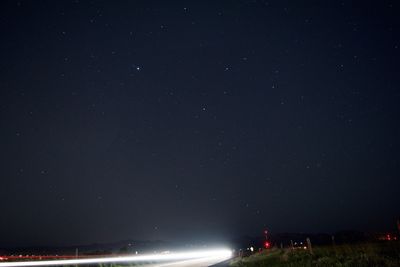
pixel 223 254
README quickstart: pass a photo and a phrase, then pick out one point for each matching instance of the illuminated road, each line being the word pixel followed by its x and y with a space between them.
pixel 179 259
pixel 191 263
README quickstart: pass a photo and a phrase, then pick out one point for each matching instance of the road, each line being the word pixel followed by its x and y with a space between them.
pixel 179 259
pixel 218 261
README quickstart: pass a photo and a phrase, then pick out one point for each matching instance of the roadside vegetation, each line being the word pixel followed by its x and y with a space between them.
pixel 385 254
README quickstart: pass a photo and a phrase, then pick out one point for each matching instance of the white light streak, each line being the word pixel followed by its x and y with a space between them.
pixel 223 254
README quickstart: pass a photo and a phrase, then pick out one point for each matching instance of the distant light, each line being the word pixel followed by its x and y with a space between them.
pixel 251 249
pixel 305 247
pixel 267 244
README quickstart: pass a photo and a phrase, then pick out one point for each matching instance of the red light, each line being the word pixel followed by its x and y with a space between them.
pixel 267 244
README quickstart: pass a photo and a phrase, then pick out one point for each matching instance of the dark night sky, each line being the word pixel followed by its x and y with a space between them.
pixel 184 120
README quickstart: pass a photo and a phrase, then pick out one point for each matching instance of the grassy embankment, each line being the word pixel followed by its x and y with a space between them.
pixel 359 255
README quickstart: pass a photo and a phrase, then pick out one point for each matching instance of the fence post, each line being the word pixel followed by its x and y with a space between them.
pixel 309 245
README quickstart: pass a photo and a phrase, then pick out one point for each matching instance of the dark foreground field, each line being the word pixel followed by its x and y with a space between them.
pixel 360 255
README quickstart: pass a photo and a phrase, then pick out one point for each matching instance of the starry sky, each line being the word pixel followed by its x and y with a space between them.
pixel 197 120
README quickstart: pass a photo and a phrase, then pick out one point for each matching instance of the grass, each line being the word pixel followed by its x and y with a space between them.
pixel 385 254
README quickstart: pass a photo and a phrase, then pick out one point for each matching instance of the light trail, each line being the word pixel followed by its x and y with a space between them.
pixel 222 254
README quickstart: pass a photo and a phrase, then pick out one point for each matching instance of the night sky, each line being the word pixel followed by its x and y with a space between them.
pixel 197 120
